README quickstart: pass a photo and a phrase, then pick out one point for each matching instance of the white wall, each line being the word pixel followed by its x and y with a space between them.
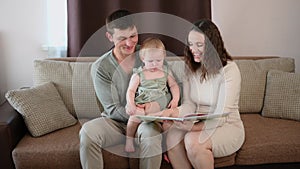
pixel 259 27
pixel 2 73
pixel 22 33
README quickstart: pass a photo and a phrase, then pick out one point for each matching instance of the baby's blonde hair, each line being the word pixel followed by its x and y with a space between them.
pixel 151 43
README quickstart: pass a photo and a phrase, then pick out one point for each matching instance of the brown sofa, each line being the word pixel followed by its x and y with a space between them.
pixel 269 142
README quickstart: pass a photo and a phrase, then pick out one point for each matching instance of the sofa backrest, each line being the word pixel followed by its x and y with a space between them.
pixel 254 76
pixel 73 81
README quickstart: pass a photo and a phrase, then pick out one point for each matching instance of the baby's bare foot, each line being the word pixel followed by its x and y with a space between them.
pixel 129 146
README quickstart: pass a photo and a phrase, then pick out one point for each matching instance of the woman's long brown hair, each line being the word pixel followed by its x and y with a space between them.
pixel 215 54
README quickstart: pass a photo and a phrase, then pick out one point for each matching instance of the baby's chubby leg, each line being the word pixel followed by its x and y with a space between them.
pixel 152 107
pixel 132 126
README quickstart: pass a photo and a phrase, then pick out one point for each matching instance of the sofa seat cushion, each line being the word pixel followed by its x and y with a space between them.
pixel 219 162
pixel 59 149
pixel 225 161
pixel 269 140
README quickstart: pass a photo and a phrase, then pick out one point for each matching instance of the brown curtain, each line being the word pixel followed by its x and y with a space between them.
pixel 161 18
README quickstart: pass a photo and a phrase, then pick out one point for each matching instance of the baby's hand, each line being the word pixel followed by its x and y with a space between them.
pixel 139 111
pixel 130 109
pixel 164 113
pixel 173 104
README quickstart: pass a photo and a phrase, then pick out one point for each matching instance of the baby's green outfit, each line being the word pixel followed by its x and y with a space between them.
pixel 153 90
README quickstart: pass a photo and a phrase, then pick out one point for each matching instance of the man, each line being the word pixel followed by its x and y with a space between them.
pixel 111 74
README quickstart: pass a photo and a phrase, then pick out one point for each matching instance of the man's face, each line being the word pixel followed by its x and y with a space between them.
pixel 124 41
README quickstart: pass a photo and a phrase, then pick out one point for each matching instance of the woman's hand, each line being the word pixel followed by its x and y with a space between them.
pixel 167 124
pixel 185 125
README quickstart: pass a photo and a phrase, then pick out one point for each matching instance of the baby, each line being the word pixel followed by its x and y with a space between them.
pixel 148 90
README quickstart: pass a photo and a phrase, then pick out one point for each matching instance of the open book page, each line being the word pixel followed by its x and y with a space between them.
pixel 191 117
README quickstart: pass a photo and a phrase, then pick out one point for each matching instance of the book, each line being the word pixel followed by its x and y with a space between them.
pixel 190 117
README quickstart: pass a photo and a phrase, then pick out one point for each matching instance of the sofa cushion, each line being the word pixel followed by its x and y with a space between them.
pixel 282 98
pixel 253 74
pixel 74 83
pixel 54 151
pixel 85 101
pixel 59 149
pixel 58 72
pixel 225 161
pixel 177 66
pixel 269 140
pixel 42 108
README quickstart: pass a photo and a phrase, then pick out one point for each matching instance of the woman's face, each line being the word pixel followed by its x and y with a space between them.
pixel 196 43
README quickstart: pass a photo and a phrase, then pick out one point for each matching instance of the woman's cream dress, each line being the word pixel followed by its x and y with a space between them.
pixel 218 94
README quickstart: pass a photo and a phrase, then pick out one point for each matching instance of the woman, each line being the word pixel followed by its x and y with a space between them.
pixel 212 85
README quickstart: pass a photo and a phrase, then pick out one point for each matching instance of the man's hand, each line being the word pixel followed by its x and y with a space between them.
pixel 135 109
pixel 130 109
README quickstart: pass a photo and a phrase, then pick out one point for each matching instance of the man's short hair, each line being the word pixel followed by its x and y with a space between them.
pixel 120 19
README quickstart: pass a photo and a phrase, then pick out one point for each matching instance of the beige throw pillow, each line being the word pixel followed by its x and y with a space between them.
pixel 253 74
pixel 42 108
pixel 282 98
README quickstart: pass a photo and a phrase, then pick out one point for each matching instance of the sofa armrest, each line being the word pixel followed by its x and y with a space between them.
pixel 12 129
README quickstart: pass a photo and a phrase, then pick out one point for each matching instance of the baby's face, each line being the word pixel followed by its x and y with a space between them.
pixel 153 59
